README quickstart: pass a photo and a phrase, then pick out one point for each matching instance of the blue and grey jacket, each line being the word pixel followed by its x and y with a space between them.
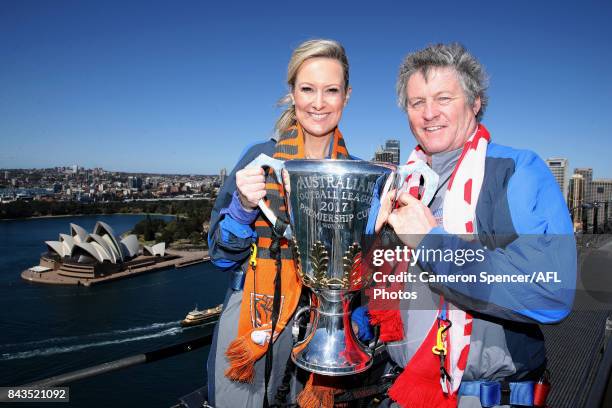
pixel 523 226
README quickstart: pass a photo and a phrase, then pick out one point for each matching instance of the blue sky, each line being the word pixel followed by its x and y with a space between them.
pixel 183 87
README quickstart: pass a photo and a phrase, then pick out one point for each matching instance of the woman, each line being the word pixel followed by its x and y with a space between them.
pixel 318 80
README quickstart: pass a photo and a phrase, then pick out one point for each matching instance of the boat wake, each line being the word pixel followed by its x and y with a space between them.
pixel 112 333
pixel 151 331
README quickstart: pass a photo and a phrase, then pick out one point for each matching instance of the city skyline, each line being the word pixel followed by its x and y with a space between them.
pixel 75 183
pixel 182 90
pixel 387 147
pixel 85 168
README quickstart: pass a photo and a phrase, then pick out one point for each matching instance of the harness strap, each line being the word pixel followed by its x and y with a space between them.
pixel 368 391
pixel 275 251
pixel 492 393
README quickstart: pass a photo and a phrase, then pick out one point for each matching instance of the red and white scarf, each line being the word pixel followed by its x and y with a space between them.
pixel 419 385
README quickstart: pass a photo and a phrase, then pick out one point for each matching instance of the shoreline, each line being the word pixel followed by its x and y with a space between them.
pixel 38 217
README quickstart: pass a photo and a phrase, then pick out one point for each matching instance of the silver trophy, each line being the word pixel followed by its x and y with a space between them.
pixel 332 207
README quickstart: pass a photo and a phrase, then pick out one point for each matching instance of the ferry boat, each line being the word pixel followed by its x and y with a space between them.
pixel 197 317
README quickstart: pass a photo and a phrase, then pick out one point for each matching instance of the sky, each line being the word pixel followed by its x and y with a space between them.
pixel 184 87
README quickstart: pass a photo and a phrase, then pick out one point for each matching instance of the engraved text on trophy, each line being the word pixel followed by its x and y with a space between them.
pixel 335 201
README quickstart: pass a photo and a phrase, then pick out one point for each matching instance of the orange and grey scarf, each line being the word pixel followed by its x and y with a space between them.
pixel 255 324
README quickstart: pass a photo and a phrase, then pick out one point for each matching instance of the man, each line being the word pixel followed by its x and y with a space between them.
pixel 467 342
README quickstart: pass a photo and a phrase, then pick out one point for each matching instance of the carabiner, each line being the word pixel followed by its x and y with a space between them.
pixel 253 258
pixel 440 348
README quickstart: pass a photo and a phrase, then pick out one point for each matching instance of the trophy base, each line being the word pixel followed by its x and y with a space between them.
pixel 331 348
pixel 309 361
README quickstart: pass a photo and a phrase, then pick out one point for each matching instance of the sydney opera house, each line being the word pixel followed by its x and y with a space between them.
pixel 91 255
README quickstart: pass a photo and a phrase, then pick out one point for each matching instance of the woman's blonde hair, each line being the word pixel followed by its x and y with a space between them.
pixel 318 48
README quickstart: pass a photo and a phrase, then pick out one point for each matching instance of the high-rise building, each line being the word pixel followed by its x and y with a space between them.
pixel 393 146
pixel 6 175
pixel 382 155
pixel 587 175
pixel 389 153
pixel 575 199
pixel 559 168
pixel 602 192
pixel 222 176
pixel 134 182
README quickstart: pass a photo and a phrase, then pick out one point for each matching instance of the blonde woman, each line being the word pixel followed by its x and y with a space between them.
pixel 318 80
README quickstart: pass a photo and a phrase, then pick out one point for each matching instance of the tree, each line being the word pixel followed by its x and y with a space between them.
pixel 195 237
pixel 167 236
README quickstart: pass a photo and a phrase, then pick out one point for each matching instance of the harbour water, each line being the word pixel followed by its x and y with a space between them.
pixel 46 330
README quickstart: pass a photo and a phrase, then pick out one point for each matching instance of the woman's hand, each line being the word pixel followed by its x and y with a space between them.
pixel 412 221
pixel 251 186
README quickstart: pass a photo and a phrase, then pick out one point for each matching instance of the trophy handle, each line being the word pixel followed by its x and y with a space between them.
pixel 430 177
pixel 277 165
pixel 296 330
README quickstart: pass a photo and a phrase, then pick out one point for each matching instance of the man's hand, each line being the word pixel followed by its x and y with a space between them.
pixel 385 210
pixel 412 221
pixel 286 182
pixel 251 187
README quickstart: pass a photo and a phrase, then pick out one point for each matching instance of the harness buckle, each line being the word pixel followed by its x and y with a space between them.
pixel 253 258
pixel 440 348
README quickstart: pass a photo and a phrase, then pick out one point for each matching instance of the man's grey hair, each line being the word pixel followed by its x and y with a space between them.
pixel 470 72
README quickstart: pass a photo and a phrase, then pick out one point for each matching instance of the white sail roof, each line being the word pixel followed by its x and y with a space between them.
pixel 112 255
pixel 130 245
pixel 56 246
pixel 78 233
pixel 88 249
pixel 102 252
pixel 67 242
pixel 106 232
pixel 159 249
pixel 101 245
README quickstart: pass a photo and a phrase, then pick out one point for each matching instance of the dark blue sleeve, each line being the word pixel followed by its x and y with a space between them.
pixel 544 243
pixel 238 212
pixel 230 234
pixel 361 319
